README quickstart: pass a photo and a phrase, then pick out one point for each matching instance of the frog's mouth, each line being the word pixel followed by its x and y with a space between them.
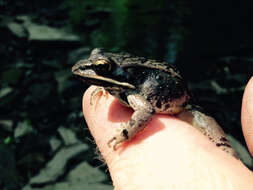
pixel 89 76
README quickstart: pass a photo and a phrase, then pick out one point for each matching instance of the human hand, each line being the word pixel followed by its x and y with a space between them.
pixel 169 153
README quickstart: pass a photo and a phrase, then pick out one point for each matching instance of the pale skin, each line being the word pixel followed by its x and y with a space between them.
pixel 169 153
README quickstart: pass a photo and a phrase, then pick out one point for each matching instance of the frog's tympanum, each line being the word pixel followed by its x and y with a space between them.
pixel 148 87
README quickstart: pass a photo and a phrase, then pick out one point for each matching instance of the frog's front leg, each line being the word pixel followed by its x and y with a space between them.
pixel 143 112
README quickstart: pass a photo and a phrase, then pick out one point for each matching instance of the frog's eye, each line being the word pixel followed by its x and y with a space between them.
pixel 103 64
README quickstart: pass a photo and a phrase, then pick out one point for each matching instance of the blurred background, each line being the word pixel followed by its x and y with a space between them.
pixel 44 141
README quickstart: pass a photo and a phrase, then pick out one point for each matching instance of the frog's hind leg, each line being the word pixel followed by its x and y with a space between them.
pixel 99 91
pixel 209 127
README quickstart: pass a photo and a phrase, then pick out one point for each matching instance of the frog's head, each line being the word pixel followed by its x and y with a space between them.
pixel 99 69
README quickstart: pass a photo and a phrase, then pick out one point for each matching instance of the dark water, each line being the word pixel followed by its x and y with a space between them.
pixel 192 36
pixel 157 29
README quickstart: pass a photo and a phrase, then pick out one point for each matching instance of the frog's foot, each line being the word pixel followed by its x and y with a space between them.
pixel 116 141
pixel 121 136
pixel 99 91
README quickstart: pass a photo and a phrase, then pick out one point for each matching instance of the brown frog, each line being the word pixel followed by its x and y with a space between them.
pixel 149 87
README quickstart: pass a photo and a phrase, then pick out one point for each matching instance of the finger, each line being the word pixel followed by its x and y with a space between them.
pixel 247 115
pixel 167 149
pixel 102 122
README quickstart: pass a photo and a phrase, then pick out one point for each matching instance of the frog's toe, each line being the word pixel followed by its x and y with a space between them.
pixel 116 141
pixel 99 91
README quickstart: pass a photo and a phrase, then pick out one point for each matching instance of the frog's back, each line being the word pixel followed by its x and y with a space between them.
pixel 126 60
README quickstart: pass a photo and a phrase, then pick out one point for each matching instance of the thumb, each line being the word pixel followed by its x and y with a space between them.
pixel 247 115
